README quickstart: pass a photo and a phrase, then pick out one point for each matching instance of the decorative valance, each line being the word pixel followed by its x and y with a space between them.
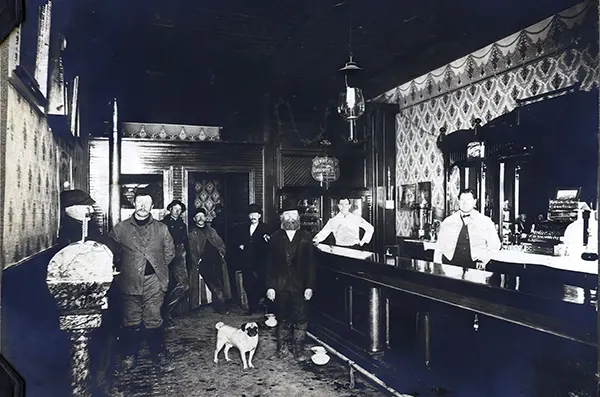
pixel 170 132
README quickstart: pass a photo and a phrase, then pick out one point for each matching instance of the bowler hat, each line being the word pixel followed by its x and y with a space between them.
pixel 254 208
pixel 174 203
pixel 75 197
pixel 289 204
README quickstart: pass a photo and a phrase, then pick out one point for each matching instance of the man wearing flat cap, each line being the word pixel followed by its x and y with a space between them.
pixel 178 275
pixel 147 250
pixel 252 240
pixel 290 279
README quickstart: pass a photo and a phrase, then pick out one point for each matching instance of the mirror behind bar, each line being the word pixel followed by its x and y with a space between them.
pixel 533 159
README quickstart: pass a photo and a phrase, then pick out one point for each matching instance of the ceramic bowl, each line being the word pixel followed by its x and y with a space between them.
pixel 271 320
pixel 318 350
pixel 320 359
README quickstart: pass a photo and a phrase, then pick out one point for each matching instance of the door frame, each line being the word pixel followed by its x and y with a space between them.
pixel 219 170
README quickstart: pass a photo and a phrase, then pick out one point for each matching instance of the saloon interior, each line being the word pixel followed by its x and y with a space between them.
pixel 395 105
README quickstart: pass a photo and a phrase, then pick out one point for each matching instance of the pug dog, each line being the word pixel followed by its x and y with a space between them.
pixel 245 339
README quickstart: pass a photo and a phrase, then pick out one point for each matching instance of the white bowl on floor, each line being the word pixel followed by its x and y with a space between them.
pixel 320 359
pixel 271 320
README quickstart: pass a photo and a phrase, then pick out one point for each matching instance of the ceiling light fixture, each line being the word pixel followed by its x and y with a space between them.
pixel 351 101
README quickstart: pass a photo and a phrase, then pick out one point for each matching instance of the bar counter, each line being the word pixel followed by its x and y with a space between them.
pixel 399 314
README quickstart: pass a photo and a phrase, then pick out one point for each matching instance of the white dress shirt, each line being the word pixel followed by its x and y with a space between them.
pixel 346 230
pixel 483 237
pixel 290 234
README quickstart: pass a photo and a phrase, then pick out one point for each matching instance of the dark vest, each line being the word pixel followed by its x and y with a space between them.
pixel 462 253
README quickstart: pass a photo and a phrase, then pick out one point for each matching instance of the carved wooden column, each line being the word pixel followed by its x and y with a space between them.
pixel 381 174
pixel 114 206
pixel 375 345
pixel 79 277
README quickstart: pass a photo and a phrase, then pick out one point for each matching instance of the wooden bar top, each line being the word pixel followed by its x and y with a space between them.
pixel 535 299
pixel 569 263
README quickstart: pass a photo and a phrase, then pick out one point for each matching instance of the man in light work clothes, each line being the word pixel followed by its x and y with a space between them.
pixel 146 251
pixel 345 227
pixel 466 238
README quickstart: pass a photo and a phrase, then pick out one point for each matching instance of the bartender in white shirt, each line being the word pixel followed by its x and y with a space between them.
pixel 467 237
pixel 345 227
pixel 573 237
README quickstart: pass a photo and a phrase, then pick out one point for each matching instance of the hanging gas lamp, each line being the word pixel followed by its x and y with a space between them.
pixel 352 101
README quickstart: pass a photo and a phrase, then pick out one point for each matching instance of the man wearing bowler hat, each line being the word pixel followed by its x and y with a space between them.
pixel 178 275
pixel 252 240
pixel 290 279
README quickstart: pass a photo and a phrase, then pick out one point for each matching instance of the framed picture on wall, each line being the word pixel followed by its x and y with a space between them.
pixel 152 184
pixel 148 183
pixel 408 196
pixel 424 194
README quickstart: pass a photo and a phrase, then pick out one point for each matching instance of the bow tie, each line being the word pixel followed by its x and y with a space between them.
pixel 465 216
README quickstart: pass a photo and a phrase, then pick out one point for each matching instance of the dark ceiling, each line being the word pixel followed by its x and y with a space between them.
pixel 211 62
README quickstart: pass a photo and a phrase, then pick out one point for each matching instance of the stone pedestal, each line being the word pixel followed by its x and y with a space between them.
pixel 79 277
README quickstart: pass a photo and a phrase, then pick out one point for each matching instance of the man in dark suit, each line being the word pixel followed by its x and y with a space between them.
pixel 251 242
pixel 178 274
pixel 290 279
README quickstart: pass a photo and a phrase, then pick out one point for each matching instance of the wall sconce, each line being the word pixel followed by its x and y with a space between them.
pixel 352 101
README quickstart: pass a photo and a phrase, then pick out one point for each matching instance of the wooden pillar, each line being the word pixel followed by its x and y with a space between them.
pixel 382 172
pixel 114 205
pixel 375 345
pixel 597 207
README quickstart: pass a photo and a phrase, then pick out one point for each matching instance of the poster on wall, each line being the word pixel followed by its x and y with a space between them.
pixel 408 195
pixel 424 194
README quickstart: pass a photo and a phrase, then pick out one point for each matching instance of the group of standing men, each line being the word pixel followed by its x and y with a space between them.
pixel 154 257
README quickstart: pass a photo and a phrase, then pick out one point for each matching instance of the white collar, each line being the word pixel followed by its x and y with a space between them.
pixel 290 234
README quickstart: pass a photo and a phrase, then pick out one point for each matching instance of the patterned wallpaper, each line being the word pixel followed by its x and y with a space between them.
pixel 36 164
pixel 208 195
pixel 552 54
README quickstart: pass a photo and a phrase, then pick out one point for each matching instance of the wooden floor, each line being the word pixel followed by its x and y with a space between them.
pixel 191 345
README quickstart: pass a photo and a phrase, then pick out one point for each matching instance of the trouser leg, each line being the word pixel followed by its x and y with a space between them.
pixel 252 290
pixel 215 285
pixel 299 341
pixel 129 347
pixel 152 302
pixel 180 272
pixel 129 340
pixel 179 284
pixel 284 333
pixel 158 350
pixel 284 323
pixel 153 322
pixel 300 313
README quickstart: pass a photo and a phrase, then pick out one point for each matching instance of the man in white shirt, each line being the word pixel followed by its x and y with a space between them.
pixel 345 227
pixel 467 237
pixel 573 237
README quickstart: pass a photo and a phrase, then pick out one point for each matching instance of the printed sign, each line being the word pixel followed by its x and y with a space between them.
pixel 325 169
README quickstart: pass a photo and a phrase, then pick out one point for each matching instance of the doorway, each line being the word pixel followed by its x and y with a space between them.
pixel 224 196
